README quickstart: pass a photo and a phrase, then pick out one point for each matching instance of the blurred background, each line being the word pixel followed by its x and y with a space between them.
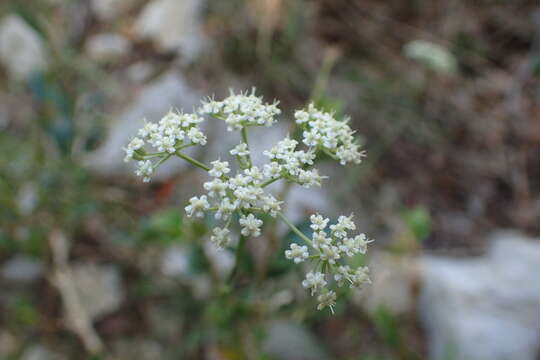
pixel 95 264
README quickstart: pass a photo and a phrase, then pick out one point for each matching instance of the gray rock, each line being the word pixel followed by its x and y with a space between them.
pixel 138 349
pixel 109 9
pixel 393 278
pixel 153 101
pixel 175 262
pixel 484 308
pixel 99 287
pixel 107 46
pixel 22 269
pixel 40 352
pixel 22 50
pixel 290 341
pixel 173 26
pixel 8 344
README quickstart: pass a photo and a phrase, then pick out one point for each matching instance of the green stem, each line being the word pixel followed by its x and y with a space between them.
pixel 295 229
pixel 192 161
pixel 237 258
pixel 245 140
pixel 268 182
pixel 162 160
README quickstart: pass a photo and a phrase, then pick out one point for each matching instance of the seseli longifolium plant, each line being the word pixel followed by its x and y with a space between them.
pixel 238 195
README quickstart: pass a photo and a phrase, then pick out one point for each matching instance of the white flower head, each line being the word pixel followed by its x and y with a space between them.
pixel 297 253
pixel 318 222
pixel 240 150
pixel 220 237
pixel 251 226
pixel 197 206
pixel 327 299
pixel 216 187
pixel 241 110
pixel 314 281
pixel 219 168
pixel 144 169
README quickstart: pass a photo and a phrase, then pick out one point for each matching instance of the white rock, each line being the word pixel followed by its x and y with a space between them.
pixel 140 72
pixel 99 287
pixel 153 101
pixel 484 308
pixel 110 9
pixel 393 279
pixel 289 341
pixel 27 198
pixel 40 352
pixel 107 46
pixel 22 50
pixel 8 344
pixel 22 269
pixel 173 25
pixel 221 261
pixel 138 349
pixel 175 262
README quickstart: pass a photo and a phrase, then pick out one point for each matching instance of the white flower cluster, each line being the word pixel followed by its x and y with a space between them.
pixel 323 131
pixel 241 110
pixel 240 190
pixel 330 247
pixel 242 193
pixel 173 132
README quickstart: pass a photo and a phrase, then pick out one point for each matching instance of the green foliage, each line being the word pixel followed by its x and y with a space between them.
pixel 163 227
pixel 418 222
pixel 386 325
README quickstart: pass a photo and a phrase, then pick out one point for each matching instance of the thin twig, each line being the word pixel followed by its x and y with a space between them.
pixel 62 277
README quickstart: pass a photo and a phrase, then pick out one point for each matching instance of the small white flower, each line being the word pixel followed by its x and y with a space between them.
pixel 250 225
pixel 297 253
pixel 134 145
pixel 329 253
pixel 327 299
pixel 240 150
pixel 144 169
pixel 216 187
pixel 314 281
pixel 220 237
pixel 360 277
pixel 272 170
pixel 226 208
pixel 318 222
pixel 320 238
pixel 342 274
pixel 343 225
pixel 196 136
pixel 271 205
pixel 219 168
pixel 197 206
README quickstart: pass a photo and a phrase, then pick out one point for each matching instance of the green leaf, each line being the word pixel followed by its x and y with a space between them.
pixel 386 325
pixel 418 221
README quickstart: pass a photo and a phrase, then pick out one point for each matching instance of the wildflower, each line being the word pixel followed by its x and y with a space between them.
pixel 197 206
pixel 250 225
pixel 318 223
pixel 241 110
pixel 327 299
pixel 220 237
pixel 219 168
pixel 240 150
pixel 322 130
pixel 145 169
pixel 242 189
pixel 314 281
pixel 215 187
pixel 297 253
